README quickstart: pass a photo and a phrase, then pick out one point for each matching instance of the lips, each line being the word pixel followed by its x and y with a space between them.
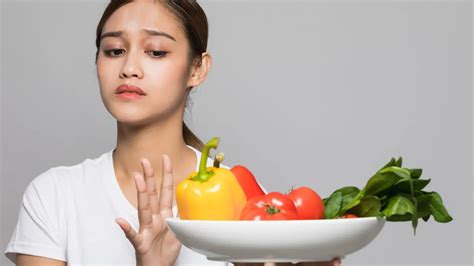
pixel 124 88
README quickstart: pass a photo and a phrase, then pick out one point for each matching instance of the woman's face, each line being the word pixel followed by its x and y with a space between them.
pixel 133 52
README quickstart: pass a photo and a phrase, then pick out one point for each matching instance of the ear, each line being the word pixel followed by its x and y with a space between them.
pixel 200 70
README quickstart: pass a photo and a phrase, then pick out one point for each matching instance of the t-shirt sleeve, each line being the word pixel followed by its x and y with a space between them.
pixel 37 231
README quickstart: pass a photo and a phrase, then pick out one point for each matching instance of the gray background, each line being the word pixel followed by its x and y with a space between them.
pixel 308 92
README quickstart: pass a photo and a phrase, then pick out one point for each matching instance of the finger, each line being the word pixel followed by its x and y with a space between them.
pixel 128 230
pixel 151 185
pixel 144 210
pixel 336 262
pixel 166 194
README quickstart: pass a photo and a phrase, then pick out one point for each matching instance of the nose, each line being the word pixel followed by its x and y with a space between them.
pixel 131 68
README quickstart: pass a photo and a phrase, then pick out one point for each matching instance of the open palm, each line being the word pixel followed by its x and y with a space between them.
pixel 154 243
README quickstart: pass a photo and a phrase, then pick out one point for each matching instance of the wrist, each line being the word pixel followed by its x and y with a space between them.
pixel 150 263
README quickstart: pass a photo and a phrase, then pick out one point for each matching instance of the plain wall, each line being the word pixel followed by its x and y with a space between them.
pixel 315 93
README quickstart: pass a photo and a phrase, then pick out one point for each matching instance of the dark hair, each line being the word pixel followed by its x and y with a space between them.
pixel 192 21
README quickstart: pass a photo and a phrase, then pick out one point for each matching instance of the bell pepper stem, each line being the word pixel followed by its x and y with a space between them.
pixel 218 159
pixel 203 175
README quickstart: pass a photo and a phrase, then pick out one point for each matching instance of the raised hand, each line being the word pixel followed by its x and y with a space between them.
pixel 154 243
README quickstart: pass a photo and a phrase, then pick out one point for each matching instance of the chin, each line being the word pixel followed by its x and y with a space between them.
pixel 132 122
pixel 129 116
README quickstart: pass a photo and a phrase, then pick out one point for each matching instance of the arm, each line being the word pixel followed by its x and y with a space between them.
pixel 27 260
pixel 37 234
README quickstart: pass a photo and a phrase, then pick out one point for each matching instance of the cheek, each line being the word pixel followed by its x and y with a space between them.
pixel 103 65
pixel 168 77
pixel 101 73
pixel 107 75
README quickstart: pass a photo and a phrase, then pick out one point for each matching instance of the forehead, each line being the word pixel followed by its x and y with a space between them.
pixel 132 18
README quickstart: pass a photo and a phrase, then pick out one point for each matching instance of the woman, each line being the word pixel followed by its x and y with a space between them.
pixel 150 55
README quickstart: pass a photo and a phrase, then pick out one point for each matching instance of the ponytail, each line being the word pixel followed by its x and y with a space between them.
pixel 191 139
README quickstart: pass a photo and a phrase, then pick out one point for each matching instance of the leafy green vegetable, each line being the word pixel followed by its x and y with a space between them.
pixel 368 206
pixel 393 192
pixel 400 208
pixel 415 173
pixel 332 205
pixel 381 182
pixel 338 200
pixel 404 185
pixel 435 204
pixel 348 195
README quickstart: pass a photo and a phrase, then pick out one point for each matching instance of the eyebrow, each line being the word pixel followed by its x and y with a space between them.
pixel 147 31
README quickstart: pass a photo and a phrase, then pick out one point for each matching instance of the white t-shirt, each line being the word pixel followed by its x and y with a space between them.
pixel 68 213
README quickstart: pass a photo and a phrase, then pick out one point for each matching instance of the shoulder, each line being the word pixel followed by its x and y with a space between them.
pixel 55 178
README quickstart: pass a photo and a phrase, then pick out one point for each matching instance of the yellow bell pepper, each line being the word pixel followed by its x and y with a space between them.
pixel 212 193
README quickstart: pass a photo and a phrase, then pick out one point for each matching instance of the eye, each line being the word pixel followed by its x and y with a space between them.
pixel 113 52
pixel 157 54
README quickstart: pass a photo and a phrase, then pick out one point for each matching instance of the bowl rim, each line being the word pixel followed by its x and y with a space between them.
pixel 343 220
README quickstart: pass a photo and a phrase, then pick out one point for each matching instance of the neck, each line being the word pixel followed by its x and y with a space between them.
pixel 151 142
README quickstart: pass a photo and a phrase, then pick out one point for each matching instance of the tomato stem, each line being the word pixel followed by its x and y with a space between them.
pixel 271 209
pixel 291 190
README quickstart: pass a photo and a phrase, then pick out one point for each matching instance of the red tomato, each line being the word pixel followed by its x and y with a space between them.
pixel 349 215
pixel 308 203
pixel 272 206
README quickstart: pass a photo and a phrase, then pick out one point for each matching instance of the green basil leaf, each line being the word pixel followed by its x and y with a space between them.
pixel 333 205
pixel 354 202
pixel 431 204
pixel 400 217
pixel 401 172
pixel 439 212
pixel 415 173
pixel 404 185
pixel 414 223
pixel 368 207
pixel 426 218
pixel 381 182
pixel 390 163
pixel 399 162
pixel 400 207
pixel 414 219
pixel 348 194
pixel 423 207
pixel 383 201
pixel 348 190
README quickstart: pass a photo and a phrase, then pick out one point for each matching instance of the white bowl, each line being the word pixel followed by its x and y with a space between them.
pixel 276 241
